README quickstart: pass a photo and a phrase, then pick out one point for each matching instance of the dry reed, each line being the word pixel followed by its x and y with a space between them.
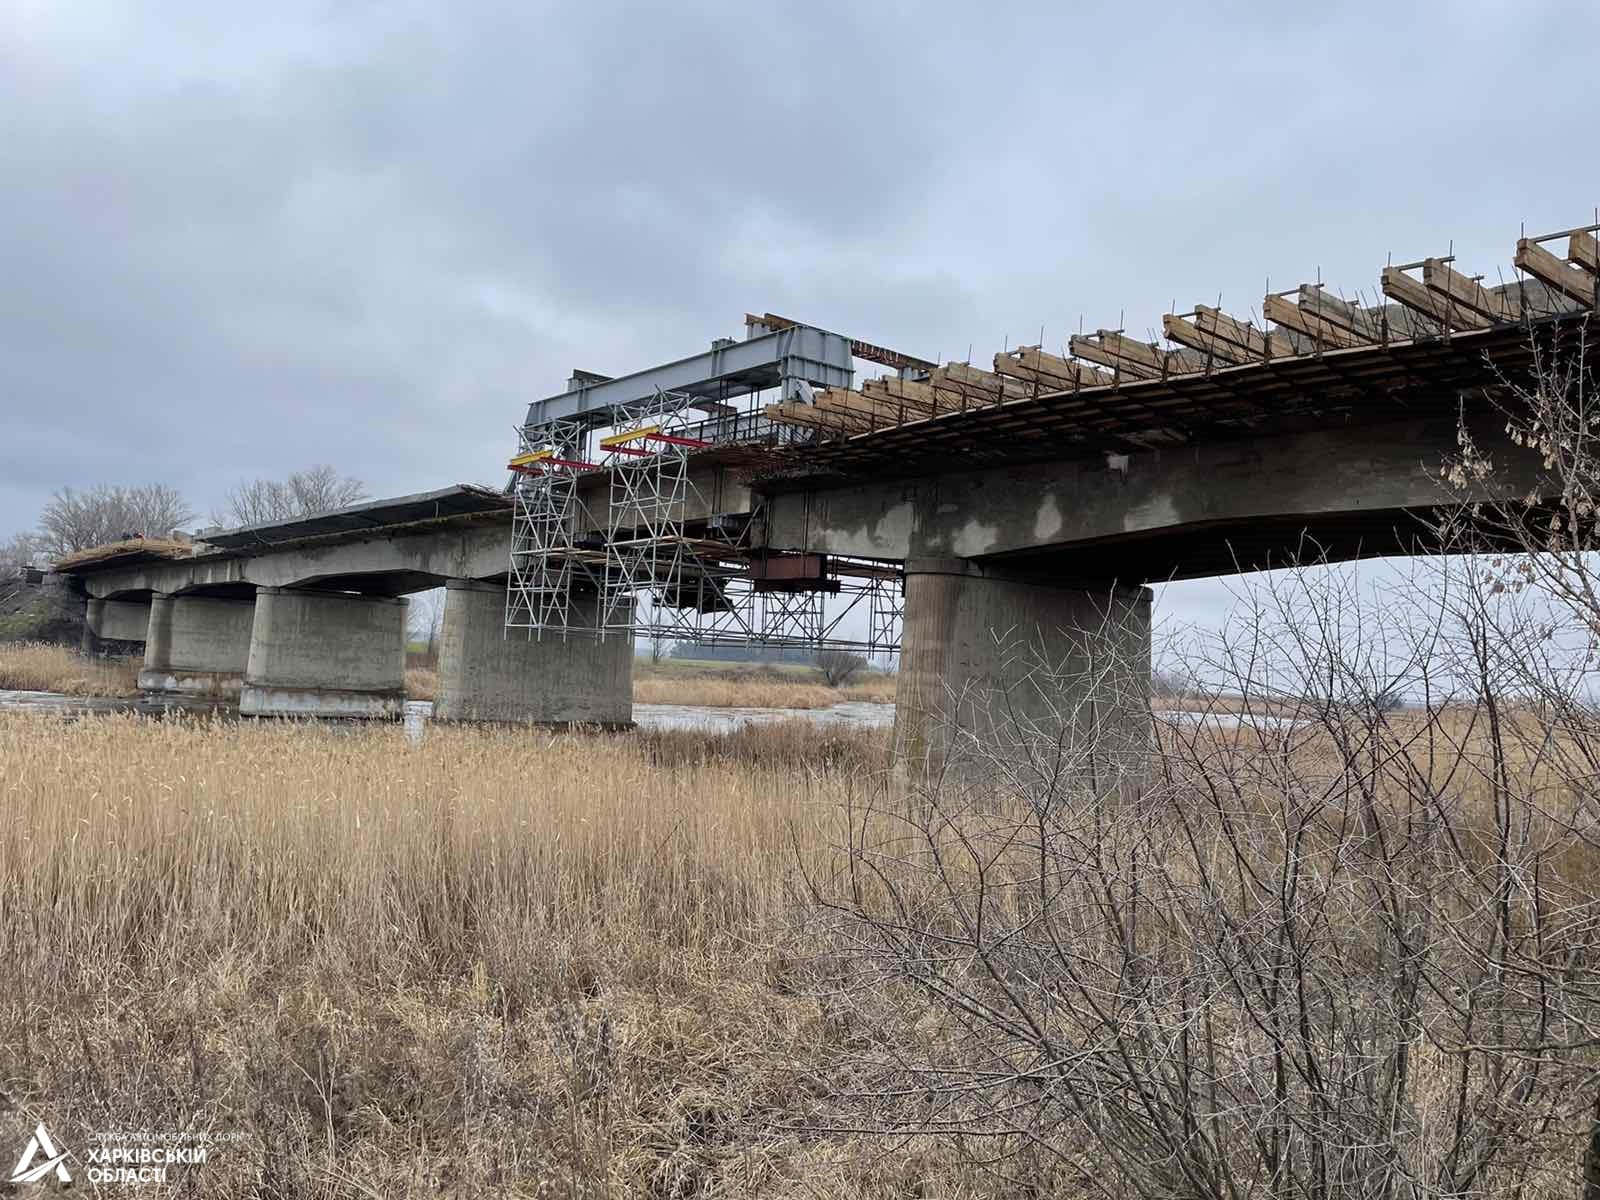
pixel 499 961
pixel 43 667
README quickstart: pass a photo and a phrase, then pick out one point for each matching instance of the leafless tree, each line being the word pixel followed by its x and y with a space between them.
pixel 1310 943
pixel 75 520
pixel 660 647
pixel 20 551
pixel 839 667
pixel 316 489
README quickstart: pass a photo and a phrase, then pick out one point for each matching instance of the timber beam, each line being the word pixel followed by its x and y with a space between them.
pixel 1050 372
pixel 1403 289
pixel 1553 273
pixel 1123 355
pixel 1441 277
pixel 1258 345
pixel 1187 333
pixel 1316 302
pixel 1584 250
pixel 1285 312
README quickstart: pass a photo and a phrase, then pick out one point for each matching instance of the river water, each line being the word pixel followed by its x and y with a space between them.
pixel 646 716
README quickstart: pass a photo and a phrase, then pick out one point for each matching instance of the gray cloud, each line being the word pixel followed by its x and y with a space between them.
pixel 239 242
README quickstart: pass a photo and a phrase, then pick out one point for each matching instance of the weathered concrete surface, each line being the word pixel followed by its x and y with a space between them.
pixel 115 626
pixel 390 561
pixel 325 654
pixel 197 645
pixel 1295 480
pixel 488 674
pixel 999 670
pixel 404 561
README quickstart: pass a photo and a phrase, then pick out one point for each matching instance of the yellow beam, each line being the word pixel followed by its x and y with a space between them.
pixel 523 460
pixel 630 435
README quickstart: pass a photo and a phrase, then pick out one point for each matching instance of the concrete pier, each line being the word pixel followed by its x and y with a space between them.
pixel 486 675
pixel 197 645
pixel 997 664
pixel 325 654
pixel 115 626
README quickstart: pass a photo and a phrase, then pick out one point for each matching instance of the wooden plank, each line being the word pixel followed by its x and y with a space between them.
pixel 1050 372
pixel 1096 351
pixel 1282 311
pixel 1553 273
pixel 1186 333
pixel 1133 350
pixel 883 412
pixel 988 382
pixel 956 388
pixel 1229 329
pixel 808 415
pixel 918 397
pixel 1461 290
pixel 1319 303
pixel 1403 289
pixel 1584 250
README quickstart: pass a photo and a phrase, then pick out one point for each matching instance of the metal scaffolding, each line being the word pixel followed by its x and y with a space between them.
pixel 663 561
pixel 549 567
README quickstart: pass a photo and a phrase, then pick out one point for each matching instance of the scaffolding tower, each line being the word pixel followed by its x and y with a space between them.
pixel 665 560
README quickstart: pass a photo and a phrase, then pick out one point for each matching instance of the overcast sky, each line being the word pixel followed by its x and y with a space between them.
pixel 241 239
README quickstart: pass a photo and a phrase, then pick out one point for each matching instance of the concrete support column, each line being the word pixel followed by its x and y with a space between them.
pixel 197 645
pixel 995 664
pixel 486 674
pixel 115 626
pixel 325 654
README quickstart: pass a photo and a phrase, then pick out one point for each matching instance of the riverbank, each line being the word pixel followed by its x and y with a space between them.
pixel 39 667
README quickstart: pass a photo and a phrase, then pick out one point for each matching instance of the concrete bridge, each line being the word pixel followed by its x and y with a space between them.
pixel 1042 514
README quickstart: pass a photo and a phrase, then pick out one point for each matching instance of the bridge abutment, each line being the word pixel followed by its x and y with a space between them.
pixel 197 645
pixel 325 654
pixel 487 675
pixel 997 669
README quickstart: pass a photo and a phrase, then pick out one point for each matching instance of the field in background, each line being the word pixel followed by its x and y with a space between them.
pixel 751 685
pixel 37 667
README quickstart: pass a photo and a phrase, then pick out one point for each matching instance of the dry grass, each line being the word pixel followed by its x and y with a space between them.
pixel 497 963
pixel 422 683
pixel 43 667
pixel 735 685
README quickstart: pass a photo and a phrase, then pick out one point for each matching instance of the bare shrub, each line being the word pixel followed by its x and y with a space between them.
pixel 1326 948
pixel 1339 940
pixel 839 667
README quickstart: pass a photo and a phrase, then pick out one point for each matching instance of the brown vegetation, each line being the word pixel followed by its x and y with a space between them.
pixel 494 963
pixel 739 686
pixel 44 667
